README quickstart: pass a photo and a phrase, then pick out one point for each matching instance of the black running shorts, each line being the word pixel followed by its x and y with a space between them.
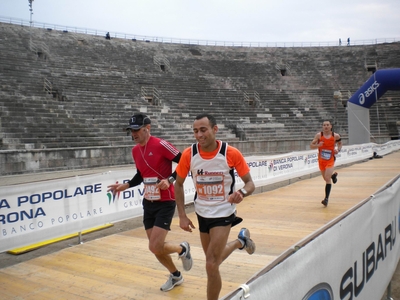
pixel 205 224
pixel 158 213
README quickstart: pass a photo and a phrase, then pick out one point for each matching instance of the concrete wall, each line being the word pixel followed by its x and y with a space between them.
pixel 13 162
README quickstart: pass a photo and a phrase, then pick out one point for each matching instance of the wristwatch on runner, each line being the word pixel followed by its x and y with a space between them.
pixel 243 192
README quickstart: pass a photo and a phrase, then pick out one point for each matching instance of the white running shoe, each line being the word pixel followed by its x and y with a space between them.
pixel 187 261
pixel 249 245
pixel 171 283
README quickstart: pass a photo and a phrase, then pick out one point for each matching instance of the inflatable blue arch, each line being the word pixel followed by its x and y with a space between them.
pixel 378 84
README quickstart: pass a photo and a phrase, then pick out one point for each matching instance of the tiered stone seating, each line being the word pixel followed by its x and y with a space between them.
pixel 98 82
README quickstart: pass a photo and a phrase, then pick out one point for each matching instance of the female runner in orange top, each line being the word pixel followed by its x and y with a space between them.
pixel 326 141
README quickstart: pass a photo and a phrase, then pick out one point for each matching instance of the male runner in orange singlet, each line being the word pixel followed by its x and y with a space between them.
pixel 212 163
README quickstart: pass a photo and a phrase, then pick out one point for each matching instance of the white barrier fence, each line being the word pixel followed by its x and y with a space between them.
pixel 353 259
pixel 36 212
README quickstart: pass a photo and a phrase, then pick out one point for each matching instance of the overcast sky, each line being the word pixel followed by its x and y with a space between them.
pixel 221 20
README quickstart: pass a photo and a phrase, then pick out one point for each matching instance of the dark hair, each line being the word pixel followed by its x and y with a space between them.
pixel 210 118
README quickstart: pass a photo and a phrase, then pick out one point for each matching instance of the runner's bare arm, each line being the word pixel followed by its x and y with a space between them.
pixel 315 144
pixel 249 188
pixel 184 222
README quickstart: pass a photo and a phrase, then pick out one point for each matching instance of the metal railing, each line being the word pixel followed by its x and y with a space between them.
pixel 151 94
pixel 32 46
pixel 191 41
pixel 252 98
pixel 161 61
pixel 47 86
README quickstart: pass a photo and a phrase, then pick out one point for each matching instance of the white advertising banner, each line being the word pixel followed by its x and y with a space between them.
pixel 36 212
pixel 353 259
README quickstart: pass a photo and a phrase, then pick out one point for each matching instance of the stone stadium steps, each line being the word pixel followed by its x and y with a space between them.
pixel 47 125
pixel 102 83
